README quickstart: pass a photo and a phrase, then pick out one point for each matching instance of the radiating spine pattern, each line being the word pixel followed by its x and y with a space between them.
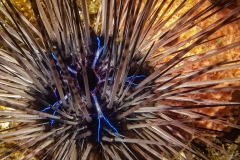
pixel 128 86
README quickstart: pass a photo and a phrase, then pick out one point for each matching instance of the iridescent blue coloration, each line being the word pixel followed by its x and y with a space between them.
pixel 141 76
pixel 56 105
pixel 110 124
pixel 55 94
pixel 45 109
pixel 99 127
pixel 100 115
pixel 98 42
pixel 54 57
pixel 71 70
pixel 129 79
pixel 52 121
pixel 99 50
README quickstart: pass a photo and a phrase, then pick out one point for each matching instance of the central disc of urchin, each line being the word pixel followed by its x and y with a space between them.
pixel 92 79
pixel 101 76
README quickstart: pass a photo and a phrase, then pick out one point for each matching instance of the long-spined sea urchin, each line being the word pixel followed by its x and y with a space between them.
pixel 130 91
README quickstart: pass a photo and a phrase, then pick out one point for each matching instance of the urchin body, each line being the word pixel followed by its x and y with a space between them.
pixel 101 95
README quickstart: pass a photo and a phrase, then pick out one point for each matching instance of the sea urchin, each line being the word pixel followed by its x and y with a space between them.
pixel 128 87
